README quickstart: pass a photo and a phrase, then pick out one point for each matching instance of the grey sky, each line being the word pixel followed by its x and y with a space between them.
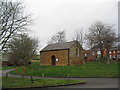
pixel 51 16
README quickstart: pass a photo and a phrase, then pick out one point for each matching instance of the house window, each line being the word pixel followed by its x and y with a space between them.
pixel 93 53
pixel 110 56
pixel 85 55
pixel 113 51
pixel 118 51
pixel 110 52
pixel 118 56
pixel 77 52
pixel 114 56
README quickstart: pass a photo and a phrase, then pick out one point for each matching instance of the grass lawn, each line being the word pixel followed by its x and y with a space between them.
pixel 7 67
pixel 90 69
pixel 0 68
pixel 36 57
pixel 10 82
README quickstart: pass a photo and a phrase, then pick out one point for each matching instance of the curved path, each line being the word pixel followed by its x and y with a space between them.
pixel 3 73
pixel 91 82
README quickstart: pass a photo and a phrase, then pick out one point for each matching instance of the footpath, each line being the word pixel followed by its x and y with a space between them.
pixel 4 73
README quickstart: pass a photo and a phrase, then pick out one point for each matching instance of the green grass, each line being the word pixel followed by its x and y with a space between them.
pixel 36 57
pixel 7 67
pixel 0 68
pixel 10 82
pixel 90 69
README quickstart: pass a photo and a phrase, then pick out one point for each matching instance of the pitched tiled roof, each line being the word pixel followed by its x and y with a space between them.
pixel 58 46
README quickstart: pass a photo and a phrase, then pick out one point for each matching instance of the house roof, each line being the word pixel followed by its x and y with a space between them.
pixel 58 46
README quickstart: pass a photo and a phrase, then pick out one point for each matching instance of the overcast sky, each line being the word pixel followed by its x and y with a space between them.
pixel 51 16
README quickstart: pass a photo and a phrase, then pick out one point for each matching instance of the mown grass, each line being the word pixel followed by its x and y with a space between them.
pixel 10 82
pixel 7 67
pixel 36 57
pixel 0 68
pixel 90 69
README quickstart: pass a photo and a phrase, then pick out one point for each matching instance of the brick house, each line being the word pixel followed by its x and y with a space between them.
pixel 62 54
pixel 90 55
pixel 114 53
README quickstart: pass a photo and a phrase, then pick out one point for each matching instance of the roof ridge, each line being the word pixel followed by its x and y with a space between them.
pixel 58 46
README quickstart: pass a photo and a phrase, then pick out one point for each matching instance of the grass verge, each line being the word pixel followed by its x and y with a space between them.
pixel 7 67
pixel 26 82
pixel 90 69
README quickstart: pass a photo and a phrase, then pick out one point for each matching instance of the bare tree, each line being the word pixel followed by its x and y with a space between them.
pixel 79 36
pixel 12 20
pixel 59 37
pixel 22 48
pixel 101 35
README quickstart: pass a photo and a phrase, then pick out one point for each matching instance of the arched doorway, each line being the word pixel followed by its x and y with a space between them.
pixel 53 60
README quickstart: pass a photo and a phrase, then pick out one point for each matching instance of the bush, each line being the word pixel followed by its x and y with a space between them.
pixel 8 63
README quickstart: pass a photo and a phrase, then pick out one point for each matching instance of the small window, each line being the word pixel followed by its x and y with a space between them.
pixel 118 56
pixel 114 56
pixel 110 56
pixel 110 52
pixel 118 51
pixel 85 55
pixel 113 51
pixel 93 53
pixel 77 52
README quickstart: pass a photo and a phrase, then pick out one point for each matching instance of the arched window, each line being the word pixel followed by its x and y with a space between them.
pixel 53 59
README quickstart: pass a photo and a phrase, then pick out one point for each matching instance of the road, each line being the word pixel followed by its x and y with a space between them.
pixel 95 83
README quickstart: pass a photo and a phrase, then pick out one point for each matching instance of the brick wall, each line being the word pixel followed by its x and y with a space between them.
pixel 46 57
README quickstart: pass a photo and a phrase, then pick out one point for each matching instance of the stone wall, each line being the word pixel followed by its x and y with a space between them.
pixel 61 55
pixel 76 54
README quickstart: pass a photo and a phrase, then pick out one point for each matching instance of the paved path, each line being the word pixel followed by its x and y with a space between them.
pixel 91 82
pixel 3 73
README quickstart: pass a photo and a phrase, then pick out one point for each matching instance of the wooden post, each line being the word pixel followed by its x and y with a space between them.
pixel 16 69
pixel 31 80
pixel 68 76
pixel 6 74
pixel 24 70
pixel 43 75
pixel 22 75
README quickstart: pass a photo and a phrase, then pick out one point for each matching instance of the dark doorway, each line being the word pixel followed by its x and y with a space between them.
pixel 53 60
